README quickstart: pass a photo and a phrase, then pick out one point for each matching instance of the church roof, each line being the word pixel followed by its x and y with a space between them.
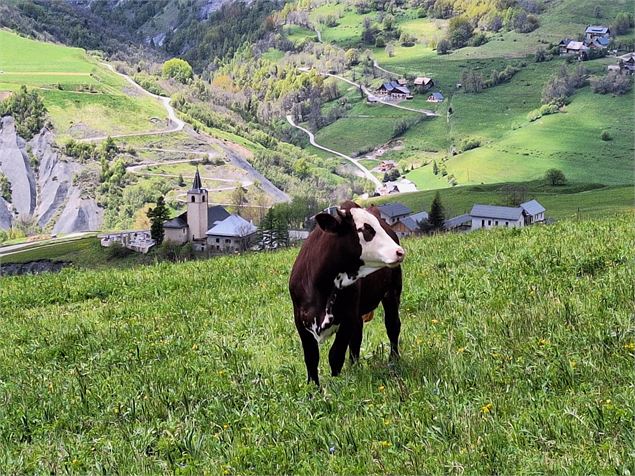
pixel 198 184
pixel 178 222
pixel 214 214
pixel 234 226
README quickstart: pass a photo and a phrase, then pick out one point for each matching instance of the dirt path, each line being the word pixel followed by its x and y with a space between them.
pixel 365 171
pixel 175 124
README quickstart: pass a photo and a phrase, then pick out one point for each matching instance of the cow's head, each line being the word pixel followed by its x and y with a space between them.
pixel 361 236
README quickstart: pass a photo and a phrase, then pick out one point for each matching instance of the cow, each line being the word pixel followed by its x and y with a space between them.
pixel 348 265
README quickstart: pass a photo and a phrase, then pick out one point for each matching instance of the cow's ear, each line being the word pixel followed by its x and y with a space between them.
pixel 327 222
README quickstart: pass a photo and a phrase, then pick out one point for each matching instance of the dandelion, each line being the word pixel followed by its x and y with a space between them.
pixel 387 421
pixel 543 341
pixel 381 388
pixel 630 346
pixel 434 321
pixel 225 426
pixel 384 444
pixel 194 347
pixel 460 350
pixel 486 408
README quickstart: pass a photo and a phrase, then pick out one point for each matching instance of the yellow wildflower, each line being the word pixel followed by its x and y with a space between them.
pixel 385 444
pixel 460 350
pixel 435 321
pixel 225 426
pixel 194 347
pixel 543 341
pixel 573 364
pixel 487 408
pixel 630 346
pixel 381 388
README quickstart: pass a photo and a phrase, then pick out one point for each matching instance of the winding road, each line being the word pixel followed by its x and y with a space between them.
pixel 364 170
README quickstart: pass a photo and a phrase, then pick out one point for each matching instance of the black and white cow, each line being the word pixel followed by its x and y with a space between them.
pixel 348 265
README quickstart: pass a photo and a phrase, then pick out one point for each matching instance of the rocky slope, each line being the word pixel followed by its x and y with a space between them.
pixel 42 188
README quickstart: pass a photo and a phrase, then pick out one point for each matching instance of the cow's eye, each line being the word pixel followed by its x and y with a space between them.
pixel 367 231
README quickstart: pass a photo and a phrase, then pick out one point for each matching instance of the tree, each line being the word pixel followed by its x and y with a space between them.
pixel 436 217
pixel 352 56
pixel 540 55
pixel 28 111
pixel 460 31
pixel 239 196
pixel 623 21
pixel 435 168
pixel 178 69
pixel 555 177
pixel 157 216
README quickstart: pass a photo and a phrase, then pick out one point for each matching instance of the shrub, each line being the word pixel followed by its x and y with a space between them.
pixel 606 136
pixel 470 143
pixel 178 69
pixel 117 251
pixel 27 110
pixel 443 47
pixel 478 40
pixel 612 83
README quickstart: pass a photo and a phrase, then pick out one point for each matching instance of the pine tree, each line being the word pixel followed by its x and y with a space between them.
pixel 157 216
pixel 437 214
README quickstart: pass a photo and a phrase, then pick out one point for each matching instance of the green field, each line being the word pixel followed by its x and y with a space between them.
pixel 517 354
pixel 83 97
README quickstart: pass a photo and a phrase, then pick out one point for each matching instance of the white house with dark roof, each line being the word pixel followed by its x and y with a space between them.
pixel 534 212
pixel 490 216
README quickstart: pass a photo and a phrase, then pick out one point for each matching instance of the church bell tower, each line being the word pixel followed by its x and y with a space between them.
pixel 197 209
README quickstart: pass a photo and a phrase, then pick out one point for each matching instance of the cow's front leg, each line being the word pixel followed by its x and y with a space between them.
pixel 392 321
pixel 311 353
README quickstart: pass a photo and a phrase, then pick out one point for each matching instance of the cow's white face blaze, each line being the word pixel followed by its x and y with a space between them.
pixel 378 248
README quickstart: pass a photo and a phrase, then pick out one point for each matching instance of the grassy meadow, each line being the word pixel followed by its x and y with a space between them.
pixel 517 357
pixel 83 97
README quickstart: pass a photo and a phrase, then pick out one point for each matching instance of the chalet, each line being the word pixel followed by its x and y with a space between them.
pixel 393 89
pixel 562 46
pixel 600 43
pixel 423 83
pixel 593 32
pixel 393 212
pixel 577 48
pixel 435 97
pixel 534 212
pixel 458 223
pixel 230 235
pixel 409 225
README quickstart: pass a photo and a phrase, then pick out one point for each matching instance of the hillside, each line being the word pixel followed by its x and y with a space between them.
pixel 517 353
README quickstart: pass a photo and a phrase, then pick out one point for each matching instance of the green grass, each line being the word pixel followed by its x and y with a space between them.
pixel 517 354
pixel 81 251
pixel 575 200
pixel 63 76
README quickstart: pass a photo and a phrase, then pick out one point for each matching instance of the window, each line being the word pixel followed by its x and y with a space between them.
pixel 193 199
pixel 506 223
pixel 227 240
pixel 203 197
pixel 482 222
pixel 489 222
pixel 217 240
pixel 496 223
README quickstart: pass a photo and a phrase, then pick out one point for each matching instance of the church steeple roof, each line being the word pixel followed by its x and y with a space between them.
pixel 197 185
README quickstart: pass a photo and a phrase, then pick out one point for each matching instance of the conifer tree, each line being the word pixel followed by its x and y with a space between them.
pixel 157 216
pixel 437 214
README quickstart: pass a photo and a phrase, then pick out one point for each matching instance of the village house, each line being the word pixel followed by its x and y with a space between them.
pixel 577 48
pixel 398 186
pixel 627 63
pixel 562 46
pixel 393 212
pixel 534 212
pixel 387 165
pixel 394 90
pixel 435 97
pixel 595 32
pixel 230 235
pixel 423 83
pixel 199 220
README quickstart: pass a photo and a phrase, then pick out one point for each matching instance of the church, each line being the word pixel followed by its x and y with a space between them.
pixel 212 229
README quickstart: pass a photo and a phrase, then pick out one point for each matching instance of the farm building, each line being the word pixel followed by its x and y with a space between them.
pixel 393 89
pixel 435 97
pixel 577 48
pixel 627 63
pixel 423 83
pixel 458 223
pixel 594 32
pixel 600 43
pixel 562 46
pixel 489 216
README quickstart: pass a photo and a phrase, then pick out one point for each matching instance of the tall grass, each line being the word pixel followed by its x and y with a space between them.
pixel 517 358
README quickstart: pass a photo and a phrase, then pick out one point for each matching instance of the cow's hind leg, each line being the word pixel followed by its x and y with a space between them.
pixel 391 319
pixel 356 339
pixel 311 354
pixel 337 354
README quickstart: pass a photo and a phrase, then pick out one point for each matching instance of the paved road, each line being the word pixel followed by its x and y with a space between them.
pixel 366 172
